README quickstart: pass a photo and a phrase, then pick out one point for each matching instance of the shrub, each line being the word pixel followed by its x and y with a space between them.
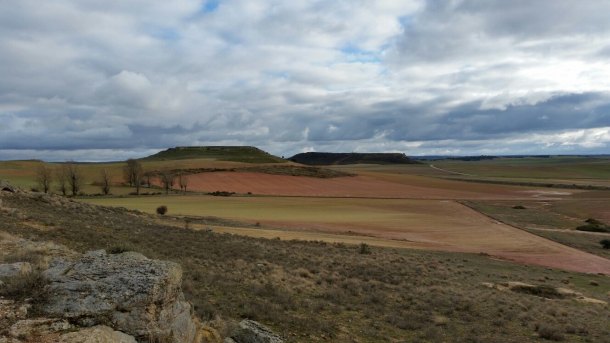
pixel 24 286
pixel 605 243
pixel 162 209
pixel 519 207
pixel 364 249
pixel 544 291
pixel 118 249
pixel 594 225
pixel 549 332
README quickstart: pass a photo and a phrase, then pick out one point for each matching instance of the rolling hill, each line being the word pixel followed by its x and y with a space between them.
pixel 247 154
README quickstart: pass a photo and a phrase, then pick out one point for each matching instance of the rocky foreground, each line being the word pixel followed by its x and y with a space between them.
pixel 53 294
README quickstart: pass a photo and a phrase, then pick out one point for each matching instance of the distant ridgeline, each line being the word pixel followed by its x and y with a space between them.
pixel 330 158
pixel 246 154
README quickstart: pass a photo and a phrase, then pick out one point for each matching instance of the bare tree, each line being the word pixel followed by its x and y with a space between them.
pixel 133 173
pixel 183 181
pixel 106 180
pixel 167 180
pixel 44 177
pixel 75 178
pixel 61 175
pixel 147 177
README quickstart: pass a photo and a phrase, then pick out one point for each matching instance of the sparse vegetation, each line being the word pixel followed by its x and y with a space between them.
pixel 74 177
pixel 162 210
pixel 133 173
pixel 364 249
pixel 315 291
pixel 105 181
pixel 44 178
pixel 593 225
pixel 221 193
pixel 167 179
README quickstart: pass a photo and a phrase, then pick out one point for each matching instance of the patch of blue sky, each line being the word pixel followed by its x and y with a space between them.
pixel 210 6
pixel 357 55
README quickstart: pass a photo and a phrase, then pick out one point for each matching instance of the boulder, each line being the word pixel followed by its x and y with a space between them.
pixel 96 334
pixel 7 187
pixel 9 270
pixel 250 331
pixel 128 292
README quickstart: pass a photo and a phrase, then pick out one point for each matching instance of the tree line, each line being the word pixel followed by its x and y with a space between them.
pixel 69 178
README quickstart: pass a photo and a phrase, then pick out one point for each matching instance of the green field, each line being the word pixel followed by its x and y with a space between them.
pixel 566 168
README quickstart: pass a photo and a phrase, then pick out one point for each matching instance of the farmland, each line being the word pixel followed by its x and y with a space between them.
pixel 285 235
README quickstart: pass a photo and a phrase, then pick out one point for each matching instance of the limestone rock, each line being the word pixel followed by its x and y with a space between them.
pixel 7 187
pixel 28 328
pixel 127 291
pixel 10 311
pixel 96 334
pixel 253 332
pixel 8 270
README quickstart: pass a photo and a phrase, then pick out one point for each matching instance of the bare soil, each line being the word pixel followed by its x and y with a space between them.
pixel 356 186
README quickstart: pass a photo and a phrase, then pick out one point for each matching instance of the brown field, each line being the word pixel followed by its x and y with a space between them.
pixel 424 224
pixel 364 185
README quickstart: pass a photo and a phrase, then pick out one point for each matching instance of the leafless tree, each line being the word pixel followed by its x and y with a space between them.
pixel 167 180
pixel 147 178
pixel 75 178
pixel 61 175
pixel 44 177
pixel 106 180
pixel 133 173
pixel 183 181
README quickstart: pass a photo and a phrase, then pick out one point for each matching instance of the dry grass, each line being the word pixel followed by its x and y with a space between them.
pixel 315 291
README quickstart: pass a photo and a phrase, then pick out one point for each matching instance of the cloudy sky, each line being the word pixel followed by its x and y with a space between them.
pixel 107 80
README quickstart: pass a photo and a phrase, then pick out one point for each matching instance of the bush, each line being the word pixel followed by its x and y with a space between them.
pixel 221 193
pixel 605 243
pixel 24 286
pixel 118 249
pixel 594 225
pixel 519 207
pixel 364 249
pixel 550 332
pixel 162 209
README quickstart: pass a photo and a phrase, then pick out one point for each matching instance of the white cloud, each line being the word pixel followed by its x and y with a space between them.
pixel 303 74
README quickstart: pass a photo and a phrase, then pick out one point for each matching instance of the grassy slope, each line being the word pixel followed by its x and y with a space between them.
pixel 319 292
pixel 245 154
pixel 544 218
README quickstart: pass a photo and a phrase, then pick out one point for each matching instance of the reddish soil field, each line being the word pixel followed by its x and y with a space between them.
pixel 356 186
pixel 473 233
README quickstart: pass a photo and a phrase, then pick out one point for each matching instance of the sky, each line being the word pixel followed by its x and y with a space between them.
pixel 109 80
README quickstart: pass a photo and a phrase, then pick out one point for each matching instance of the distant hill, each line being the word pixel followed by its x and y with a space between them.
pixel 330 158
pixel 246 154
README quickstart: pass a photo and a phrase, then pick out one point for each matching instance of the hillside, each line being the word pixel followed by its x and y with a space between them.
pixel 322 292
pixel 247 154
pixel 330 158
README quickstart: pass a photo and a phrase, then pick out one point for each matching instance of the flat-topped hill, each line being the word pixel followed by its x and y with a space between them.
pixel 246 154
pixel 330 158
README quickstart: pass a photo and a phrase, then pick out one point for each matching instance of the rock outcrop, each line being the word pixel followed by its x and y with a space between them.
pixel 129 292
pixel 250 331
pixel 7 187
pixel 8 270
